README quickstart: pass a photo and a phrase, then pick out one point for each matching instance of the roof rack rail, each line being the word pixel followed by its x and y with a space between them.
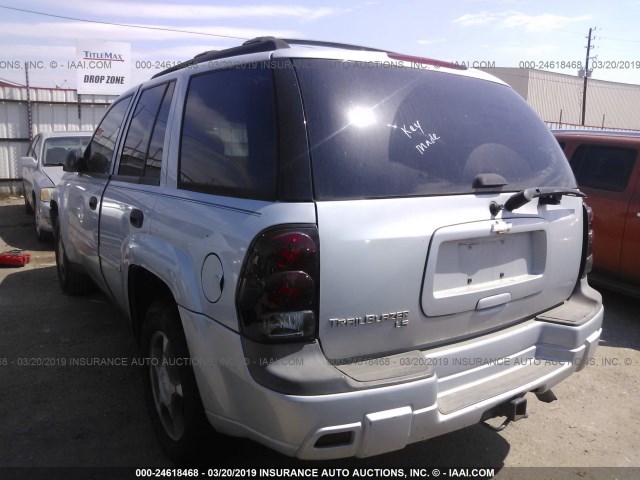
pixel 255 45
pixel 320 43
pixel 259 44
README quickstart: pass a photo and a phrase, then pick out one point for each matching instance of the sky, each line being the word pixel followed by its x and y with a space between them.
pixel 501 33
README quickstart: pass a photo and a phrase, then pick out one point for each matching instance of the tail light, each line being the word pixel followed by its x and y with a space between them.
pixel 587 245
pixel 277 297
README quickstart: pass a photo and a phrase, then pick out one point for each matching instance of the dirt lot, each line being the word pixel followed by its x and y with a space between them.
pixel 57 414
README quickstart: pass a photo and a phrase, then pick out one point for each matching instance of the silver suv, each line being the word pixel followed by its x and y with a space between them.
pixel 332 250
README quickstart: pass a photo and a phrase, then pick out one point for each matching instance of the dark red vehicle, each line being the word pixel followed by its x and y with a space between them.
pixel 607 169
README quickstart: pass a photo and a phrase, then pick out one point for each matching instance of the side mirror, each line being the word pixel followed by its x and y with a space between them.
pixel 74 162
pixel 28 162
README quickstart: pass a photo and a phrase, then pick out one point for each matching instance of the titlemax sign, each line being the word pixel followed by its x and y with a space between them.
pixel 112 56
pixel 103 67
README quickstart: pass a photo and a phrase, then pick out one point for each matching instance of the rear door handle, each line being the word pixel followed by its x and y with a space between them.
pixel 136 217
pixel 93 203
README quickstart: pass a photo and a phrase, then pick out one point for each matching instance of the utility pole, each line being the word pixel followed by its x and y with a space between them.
pixel 29 115
pixel 586 76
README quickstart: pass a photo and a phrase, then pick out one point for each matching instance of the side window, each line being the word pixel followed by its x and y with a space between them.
pixel 229 136
pixel 156 146
pixel 147 128
pixel 104 139
pixel 603 167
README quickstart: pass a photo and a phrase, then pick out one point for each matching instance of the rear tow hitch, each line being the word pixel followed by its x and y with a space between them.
pixel 515 409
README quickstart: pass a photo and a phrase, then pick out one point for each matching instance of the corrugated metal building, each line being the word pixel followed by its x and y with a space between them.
pixel 558 98
pixel 51 110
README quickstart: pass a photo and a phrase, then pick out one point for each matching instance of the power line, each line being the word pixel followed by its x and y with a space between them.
pixel 126 25
pixel 620 39
pixel 565 31
pixel 620 49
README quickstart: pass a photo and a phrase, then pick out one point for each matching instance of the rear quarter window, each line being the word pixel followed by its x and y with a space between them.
pixel 388 132
pixel 229 134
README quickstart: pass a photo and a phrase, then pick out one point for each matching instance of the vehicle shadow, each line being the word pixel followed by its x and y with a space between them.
pixel 14 224
pixel 93 414
pixel 471 447
pixel 70 383
pixel 77 409
pixel 621 327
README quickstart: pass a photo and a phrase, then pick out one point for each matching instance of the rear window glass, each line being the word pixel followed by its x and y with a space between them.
pixel 388 132
pixel 603 167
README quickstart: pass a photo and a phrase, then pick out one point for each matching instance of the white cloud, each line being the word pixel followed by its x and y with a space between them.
pixel 512 19
pixel 184 52
pixel 186 11
pixel 431 42
pixel 68 52
pixel 481 18
pixel 540 23
pixel 27 52
pixel 499 2
pixel 70 31
pixel 535 51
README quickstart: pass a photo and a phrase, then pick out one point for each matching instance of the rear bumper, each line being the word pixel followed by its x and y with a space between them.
pixel 467 379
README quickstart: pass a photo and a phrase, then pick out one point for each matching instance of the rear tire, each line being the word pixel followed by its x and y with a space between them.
pixel 72 281
pixel 171 391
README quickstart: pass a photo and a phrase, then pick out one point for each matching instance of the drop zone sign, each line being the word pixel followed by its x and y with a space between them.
pixel 104 68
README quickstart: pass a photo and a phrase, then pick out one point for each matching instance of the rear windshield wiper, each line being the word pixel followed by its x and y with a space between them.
pixel 547 196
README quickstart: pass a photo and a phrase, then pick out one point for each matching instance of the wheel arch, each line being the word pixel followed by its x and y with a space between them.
pixel 144 288
pixel 153 268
